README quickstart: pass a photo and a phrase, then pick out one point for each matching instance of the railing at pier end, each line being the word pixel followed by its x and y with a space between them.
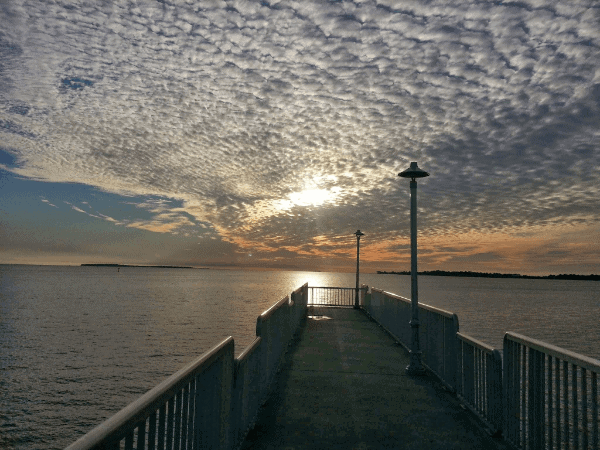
pixel 333 296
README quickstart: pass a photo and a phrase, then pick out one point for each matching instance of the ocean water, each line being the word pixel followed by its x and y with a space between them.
pixel 79 343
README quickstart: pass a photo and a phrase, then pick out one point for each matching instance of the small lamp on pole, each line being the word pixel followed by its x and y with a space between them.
pixel 358 235
pixel 415 367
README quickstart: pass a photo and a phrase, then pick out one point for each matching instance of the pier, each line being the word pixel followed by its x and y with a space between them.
pixel 326 371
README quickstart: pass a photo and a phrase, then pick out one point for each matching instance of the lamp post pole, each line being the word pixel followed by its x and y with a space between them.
pixel 415 367
pixel 358 235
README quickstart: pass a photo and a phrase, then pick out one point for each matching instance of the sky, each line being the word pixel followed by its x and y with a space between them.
pixel 263 134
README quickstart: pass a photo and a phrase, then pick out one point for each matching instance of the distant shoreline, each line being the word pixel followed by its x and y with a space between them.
pixel 155 267
pixel 444 273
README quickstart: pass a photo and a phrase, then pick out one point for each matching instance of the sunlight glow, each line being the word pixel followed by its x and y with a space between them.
pixel 310 197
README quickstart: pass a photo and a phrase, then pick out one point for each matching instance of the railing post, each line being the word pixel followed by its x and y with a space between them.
pixel 451 347
pixel 495 377
pixel 364 289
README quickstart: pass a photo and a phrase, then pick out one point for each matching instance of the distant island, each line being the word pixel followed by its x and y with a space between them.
pixel 156 267
pixel 445 273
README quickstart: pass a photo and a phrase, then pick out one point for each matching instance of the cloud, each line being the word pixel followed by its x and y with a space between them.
pixel 234 110
pixel 48 203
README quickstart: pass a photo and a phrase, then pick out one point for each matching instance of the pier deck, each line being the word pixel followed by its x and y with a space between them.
pixel 343 386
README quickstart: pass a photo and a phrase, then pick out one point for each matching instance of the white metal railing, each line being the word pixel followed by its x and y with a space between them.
pixel 437 329
pixel 213 401
pixel 331 296
pixel 536 395
pixel 479 380
pixel 550 395
pixel 174 411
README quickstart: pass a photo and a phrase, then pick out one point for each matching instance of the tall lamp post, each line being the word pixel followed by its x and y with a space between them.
pixel 358 235
pixel 415 367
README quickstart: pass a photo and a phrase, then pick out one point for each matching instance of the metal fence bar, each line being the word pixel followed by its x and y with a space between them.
pixel 331 296
pixel 170 424
pixel 595 415
pixel 178 418
pixel 129 441
pixel 509 391
pixel 152 431
pixel 191 395
pixel 574 395
pixel 549 374
pixel 161 428
pixel 557 400
pixel 141 436
pixel 565 402
pixel 584 409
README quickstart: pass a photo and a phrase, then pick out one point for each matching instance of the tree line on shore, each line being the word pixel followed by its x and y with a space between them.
pixel 129 265
pixel 463 273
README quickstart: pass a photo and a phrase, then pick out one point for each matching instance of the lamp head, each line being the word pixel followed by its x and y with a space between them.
pixel 413 172
pixel 359 234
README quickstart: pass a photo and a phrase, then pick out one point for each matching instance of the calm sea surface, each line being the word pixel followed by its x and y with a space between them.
pixel 79 343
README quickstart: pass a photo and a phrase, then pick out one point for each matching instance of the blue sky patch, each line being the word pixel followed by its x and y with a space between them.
pixel 76 83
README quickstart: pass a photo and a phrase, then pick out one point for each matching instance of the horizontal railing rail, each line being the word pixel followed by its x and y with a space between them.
pixel 479 380
pixel 331 296
pixel 213 401
pixel 550 394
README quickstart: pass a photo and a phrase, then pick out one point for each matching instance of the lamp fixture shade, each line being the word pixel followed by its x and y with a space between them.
pixel 413 172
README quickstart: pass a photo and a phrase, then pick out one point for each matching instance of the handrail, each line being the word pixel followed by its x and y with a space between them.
pixel 475 342
pixel 434 309
pixel 123 421
pixel 255 343
pixel 582 361
pixel 269 312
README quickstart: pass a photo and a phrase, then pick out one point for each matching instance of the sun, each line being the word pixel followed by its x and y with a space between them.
pixel 310 197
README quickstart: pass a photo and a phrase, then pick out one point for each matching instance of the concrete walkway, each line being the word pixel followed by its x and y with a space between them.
pixel 343 386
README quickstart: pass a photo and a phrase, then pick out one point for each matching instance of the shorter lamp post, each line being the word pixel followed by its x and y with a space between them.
pixel 415 367
pixel 358 235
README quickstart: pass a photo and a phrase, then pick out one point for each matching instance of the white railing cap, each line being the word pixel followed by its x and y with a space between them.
pixel 266 314
pixel 582 361
pixel 440 311
pixel 475 342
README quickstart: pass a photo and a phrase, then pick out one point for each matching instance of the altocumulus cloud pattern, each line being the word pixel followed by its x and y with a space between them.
pixel 280 123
